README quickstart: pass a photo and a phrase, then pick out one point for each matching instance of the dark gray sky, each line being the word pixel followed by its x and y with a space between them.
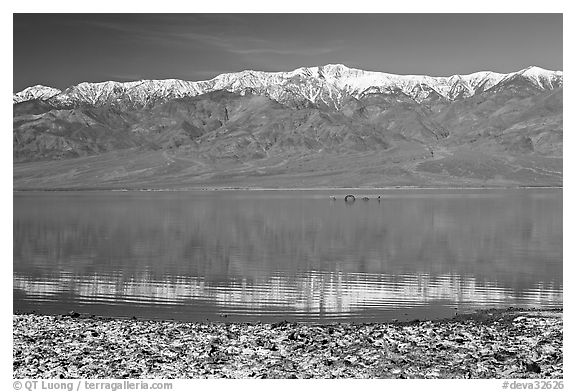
pixel 60 50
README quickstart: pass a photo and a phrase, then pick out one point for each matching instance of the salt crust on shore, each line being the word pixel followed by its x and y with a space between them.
pixel 509 343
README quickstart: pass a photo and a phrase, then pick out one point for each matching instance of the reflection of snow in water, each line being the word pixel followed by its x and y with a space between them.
pixel 315 292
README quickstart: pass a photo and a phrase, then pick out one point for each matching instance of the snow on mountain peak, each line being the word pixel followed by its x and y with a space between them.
pixel 536 71
pixel 328 84
pixel 35 92
pixel 540 77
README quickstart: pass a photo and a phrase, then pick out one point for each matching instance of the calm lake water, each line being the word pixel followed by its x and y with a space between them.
pixel 295 255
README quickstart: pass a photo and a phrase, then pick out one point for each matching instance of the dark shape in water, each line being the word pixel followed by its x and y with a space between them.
pixel 350 199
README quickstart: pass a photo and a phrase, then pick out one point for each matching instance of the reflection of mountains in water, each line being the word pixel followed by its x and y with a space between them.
pixel 514 240
pixel 294 252
pixel 308 293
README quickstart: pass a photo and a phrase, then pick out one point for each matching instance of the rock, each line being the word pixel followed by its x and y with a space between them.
pixel 280 324
pixel 532 367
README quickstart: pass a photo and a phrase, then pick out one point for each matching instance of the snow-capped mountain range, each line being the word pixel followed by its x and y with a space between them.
pixel 328 85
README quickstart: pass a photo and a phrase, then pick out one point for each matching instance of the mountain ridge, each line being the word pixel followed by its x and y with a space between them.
pixel 328 84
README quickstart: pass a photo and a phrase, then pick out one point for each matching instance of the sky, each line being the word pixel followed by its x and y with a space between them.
pixel 60 50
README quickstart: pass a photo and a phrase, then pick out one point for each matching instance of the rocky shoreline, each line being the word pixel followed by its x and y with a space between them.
pixel 510 343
